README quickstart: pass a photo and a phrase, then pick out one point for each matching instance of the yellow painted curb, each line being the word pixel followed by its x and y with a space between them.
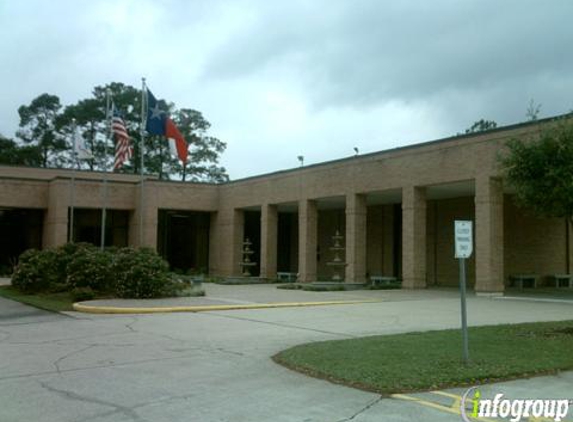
pixel 455 408
pixel 94 309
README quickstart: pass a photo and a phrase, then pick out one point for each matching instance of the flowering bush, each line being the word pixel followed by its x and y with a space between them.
pixel 125 272
pixel 90 268
pixel 140 273
pixel 36 271
pixel 65 254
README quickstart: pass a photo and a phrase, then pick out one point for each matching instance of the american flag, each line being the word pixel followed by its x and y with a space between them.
pixel 123 148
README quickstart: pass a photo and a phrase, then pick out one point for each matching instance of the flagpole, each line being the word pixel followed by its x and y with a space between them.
pixel 141 148
pixel 73 187
pixel 108 136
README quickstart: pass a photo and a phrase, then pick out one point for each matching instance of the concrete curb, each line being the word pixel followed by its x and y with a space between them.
pixel 94 309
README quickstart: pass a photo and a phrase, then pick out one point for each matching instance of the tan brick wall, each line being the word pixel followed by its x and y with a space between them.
pixel 531 245
pixel 24 193
pixel 307 240
pixel 442 267
pixel 414 217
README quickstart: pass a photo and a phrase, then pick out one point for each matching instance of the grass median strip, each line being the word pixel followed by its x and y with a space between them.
pixel 432 360
pixel 55 302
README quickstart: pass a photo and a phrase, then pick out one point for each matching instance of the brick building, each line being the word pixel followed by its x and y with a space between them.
pixel 395 208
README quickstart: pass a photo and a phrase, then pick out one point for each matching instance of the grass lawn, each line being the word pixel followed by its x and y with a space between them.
pixel 432 360
pixel 55 302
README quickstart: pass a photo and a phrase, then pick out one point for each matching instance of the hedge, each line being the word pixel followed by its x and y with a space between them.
pixel 83 268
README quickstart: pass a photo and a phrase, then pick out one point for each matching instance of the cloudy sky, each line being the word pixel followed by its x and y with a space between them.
pixel 279 78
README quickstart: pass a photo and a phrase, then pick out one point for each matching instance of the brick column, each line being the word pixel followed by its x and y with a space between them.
pixel 413 237
pixel 56 216
pixel 228 228
pixel 269 233
pixel 149 208
pixel 489 236
pixel 355 238
pixel 307 240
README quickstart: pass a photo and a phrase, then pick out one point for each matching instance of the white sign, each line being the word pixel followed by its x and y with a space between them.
pixel 464 238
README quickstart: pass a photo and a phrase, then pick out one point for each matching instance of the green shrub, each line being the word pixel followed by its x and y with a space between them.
pixel 65 254
pixel 90 268
pixel 80 294
pixel 37 271
pixel 46 270
pixel 85 270
pixel 139 273
pixel 315 288
pixel 183 286
pixel 289 287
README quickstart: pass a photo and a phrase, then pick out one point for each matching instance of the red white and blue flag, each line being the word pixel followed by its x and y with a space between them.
pixel 159 123
pixel 123 147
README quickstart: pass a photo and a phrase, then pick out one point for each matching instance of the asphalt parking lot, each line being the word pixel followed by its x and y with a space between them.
pixel 215 366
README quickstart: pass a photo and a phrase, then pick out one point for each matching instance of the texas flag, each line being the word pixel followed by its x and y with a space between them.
pixel 159 123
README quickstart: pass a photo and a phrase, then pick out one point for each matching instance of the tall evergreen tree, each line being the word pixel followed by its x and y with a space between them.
pixel 38 127
pixel 13 154
pixel 45 126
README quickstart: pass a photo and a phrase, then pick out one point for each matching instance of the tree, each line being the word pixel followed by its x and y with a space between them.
pixel 90 116
pixel 532 112
pixel 204 150
pixel 13 154
pixel 44 126
pixel 541 172
pixel 481 126
pixel 38 127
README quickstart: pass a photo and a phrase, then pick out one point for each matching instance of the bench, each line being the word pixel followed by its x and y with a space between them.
pixel 380 280
pixel 563 280
pixel 285 276
pixel 523 280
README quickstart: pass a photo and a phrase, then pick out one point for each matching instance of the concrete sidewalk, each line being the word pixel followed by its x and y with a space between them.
pixel 216 366
pixel 225 297
pixel 262 296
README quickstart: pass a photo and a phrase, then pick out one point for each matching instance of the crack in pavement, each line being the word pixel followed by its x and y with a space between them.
pixel 69 339
pixel 130 325
pixel 364 409
pixel 57 362
pixel 27 323
pixel 110 365
pixel 128 411
pixel 137 406
pixel 164 336
pixel 283 325
pixel 229 352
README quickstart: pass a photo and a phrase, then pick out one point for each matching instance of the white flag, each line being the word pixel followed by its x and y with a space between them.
pixel 172 147
pixel 80 146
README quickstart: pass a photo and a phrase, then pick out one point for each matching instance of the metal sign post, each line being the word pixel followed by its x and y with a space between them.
pixel 464 248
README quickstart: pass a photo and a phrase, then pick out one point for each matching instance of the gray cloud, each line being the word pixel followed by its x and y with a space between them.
pixel 304 77
pixel 361 53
